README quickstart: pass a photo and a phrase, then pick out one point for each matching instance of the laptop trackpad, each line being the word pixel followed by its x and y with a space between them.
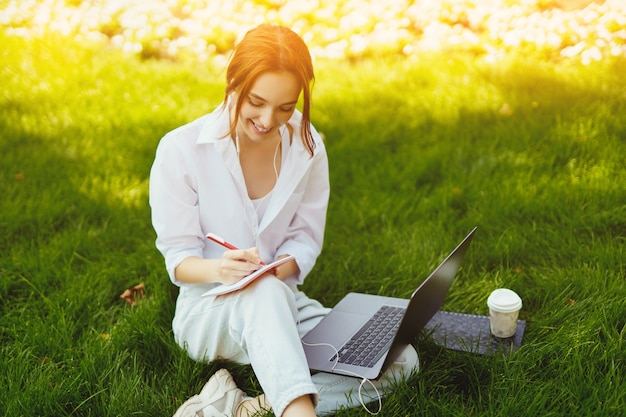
pixel 336 328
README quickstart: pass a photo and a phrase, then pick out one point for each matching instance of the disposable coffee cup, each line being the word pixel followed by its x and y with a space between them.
pixel 504 306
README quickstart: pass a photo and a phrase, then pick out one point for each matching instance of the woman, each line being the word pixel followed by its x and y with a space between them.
pixel 255 172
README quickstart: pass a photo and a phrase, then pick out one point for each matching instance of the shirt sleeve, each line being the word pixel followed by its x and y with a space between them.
pixel 174 205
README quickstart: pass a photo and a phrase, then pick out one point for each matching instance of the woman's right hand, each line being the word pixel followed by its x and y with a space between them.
pixel 230 268
pixel 236 264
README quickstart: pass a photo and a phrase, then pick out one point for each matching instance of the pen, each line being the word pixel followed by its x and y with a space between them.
pixel 217 239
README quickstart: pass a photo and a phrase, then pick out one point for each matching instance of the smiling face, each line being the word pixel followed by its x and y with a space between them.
pixel 268 105
pixel 273 63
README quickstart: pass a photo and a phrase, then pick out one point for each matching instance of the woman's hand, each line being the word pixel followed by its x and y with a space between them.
pixel 285 270
pixel 236 264
pixel 230 268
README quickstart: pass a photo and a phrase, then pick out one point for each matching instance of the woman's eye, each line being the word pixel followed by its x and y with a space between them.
pixel 254 104
pixel 286 110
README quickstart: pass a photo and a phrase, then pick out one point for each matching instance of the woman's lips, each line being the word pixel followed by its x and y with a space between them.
pixel 260 130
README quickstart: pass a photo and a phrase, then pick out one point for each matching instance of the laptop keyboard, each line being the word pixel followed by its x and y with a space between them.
pixel 373 339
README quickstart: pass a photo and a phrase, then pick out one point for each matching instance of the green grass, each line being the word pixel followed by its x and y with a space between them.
pixel 420 152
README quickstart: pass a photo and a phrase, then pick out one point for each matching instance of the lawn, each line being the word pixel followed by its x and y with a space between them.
pixel 421 150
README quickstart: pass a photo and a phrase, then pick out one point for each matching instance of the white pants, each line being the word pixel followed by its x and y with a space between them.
pixel 262 326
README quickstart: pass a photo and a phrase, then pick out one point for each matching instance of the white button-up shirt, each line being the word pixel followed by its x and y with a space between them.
pixel 197 186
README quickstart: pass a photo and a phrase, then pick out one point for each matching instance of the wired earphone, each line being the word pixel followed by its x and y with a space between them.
pixel 363 379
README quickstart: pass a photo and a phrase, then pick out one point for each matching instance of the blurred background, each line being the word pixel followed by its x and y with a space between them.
pixel 207 29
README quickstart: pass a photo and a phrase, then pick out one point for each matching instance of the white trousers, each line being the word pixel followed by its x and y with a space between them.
pixel 262 326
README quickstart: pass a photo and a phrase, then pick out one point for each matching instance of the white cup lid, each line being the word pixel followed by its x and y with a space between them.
pixel 504 300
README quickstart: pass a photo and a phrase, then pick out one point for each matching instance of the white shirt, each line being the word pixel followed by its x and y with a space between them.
pixel 197 186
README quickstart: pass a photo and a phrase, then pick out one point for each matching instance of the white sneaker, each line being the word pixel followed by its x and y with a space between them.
pixel 219 398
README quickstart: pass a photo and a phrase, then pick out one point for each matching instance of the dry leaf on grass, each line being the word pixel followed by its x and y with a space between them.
pixel 133 294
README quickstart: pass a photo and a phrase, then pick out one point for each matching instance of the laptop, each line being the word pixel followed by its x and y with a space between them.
pixel 364 333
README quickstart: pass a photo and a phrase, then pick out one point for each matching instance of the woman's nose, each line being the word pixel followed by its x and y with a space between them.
pixel 268 117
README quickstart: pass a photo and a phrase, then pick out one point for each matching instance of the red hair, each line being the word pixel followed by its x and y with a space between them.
pixel 270 48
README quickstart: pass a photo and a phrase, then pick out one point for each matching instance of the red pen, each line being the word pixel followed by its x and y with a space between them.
pixel 217 239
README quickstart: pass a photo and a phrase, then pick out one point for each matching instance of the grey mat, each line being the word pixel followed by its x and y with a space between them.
pixel 470 333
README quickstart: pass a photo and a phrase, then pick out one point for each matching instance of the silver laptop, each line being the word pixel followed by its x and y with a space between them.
pixel 364 334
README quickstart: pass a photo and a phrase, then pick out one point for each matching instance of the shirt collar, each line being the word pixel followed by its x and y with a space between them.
pixel 216 127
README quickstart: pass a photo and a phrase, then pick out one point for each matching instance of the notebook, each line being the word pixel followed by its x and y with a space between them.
pixel 340 342
pixel 247 280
